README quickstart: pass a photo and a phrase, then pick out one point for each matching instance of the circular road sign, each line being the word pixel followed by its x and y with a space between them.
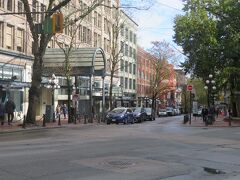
pixel 189 87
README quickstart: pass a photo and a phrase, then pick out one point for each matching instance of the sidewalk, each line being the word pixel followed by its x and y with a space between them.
pixel 17 125
pixel 220 121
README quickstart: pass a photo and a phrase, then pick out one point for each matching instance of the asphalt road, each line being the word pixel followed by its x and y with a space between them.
pixel 161 149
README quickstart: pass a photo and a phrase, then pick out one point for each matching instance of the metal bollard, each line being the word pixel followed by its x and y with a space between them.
pixel 44 120
pixel 59 121
pixel 85 119
pixel 230 121
pixel 99 118
pixel 54 120
pixel 24 122
pixel 75 119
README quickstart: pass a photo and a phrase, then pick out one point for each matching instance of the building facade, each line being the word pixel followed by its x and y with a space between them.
pixel 145 71
pixel 15 56
pixel 128 61
pixel 92 31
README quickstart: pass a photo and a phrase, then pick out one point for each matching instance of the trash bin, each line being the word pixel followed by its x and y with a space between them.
pixel 72 114
pixel 185 118
pixel 49 113
pixel 210 119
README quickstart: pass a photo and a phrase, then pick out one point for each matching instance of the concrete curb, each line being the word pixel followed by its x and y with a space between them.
pixel 38 128
pixel 29 129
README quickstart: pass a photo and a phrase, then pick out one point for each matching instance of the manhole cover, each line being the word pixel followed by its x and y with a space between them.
pixel 120 163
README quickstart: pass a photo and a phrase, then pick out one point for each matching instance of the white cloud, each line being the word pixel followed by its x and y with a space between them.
pixel 156 23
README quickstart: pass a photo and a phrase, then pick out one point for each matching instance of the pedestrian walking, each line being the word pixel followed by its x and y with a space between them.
pixel 58 111
pixel 204 113
pixel 64 110
pixel 9 108
pixel 2 113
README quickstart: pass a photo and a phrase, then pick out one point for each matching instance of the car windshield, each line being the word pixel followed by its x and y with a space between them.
pixel 169 109
pixel 118 110
pixel 137 110
pixel 162 110
pixel 148 109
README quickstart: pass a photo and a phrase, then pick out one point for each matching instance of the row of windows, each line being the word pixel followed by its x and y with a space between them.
pixel 10 6
pixel 128 83
pixel 129 35
pixel 128 50
pixel 13 39
pixel 84 9
pixel 128 67
pixel 7 72
pixel 38 7
pixel 145 75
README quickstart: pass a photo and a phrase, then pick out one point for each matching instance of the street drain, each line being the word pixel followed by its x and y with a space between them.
pixel 213 171
pixel 121 164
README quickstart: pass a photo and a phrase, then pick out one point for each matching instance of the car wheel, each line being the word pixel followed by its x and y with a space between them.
pixel 125 121
pixel 132 122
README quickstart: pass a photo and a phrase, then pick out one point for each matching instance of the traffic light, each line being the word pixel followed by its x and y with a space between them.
pixel 57 23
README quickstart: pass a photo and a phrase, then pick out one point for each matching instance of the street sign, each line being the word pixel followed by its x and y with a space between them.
pixel 189 87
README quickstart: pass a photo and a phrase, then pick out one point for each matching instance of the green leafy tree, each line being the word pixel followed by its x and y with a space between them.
pixel 200 92
pixel 209 33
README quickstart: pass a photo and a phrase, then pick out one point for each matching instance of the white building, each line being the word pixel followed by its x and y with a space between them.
pixel 127 64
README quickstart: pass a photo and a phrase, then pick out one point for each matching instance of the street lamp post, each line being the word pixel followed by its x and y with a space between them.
pixel 121 86
pixel 53 84
pixel 210 87
pixel 146 101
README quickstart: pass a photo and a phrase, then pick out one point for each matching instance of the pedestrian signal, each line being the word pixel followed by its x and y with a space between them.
pixel 57 23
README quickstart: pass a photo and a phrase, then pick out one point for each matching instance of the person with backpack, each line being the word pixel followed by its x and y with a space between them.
pixel 9 108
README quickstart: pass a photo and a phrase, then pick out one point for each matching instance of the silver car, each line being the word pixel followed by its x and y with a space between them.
pixel 170 111
pixel 162 112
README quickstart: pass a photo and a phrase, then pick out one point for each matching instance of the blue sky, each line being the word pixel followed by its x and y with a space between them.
pixel 156 23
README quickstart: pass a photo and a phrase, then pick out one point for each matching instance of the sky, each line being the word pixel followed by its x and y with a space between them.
pixel 156 23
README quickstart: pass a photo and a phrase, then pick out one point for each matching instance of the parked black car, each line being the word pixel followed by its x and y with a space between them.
pixel 139 113
pixel 150 117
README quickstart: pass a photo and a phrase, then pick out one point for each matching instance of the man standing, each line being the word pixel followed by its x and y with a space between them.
pixel 204 113
pixel 9 108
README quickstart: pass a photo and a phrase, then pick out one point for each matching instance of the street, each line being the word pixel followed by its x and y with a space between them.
pixel 153 150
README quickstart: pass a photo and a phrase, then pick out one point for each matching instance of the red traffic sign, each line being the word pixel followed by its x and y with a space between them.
pixel 189 87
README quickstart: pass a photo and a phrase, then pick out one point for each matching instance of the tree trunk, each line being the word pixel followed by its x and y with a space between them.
pixel 153 107
pixel 110 92
pixel 34 91
pixel 69 92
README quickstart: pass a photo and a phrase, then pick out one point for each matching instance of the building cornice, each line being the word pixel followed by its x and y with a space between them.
pixel 15 54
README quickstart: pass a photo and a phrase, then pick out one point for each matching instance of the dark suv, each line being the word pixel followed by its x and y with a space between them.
pixel 139 114
pixel 150 117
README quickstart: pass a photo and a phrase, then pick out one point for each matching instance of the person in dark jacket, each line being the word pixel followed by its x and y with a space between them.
pixel 204 113
pixel 9 109
pixel 2 113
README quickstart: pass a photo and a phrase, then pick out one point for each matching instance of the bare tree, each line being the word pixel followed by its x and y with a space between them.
pixel 116 49
pixel 39 47
pixel 159 83
pixel 163 71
